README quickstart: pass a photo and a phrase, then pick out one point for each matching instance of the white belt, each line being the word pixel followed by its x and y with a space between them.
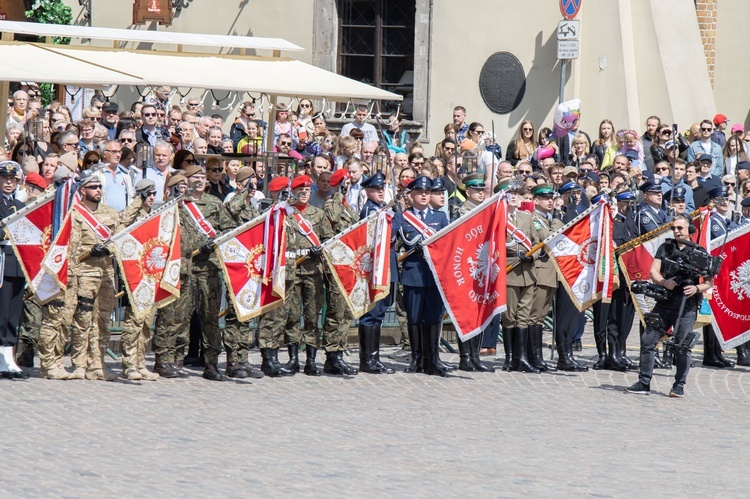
pixel 298 253
pixel 5 243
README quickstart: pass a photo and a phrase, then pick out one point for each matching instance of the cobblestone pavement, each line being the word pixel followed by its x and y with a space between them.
pixel 413 435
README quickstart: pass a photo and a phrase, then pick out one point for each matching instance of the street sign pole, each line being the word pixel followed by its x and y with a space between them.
pixel 562 80
pixel 568 32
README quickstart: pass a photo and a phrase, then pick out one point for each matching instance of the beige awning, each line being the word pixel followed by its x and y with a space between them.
pixel 270 75
pixel 21 61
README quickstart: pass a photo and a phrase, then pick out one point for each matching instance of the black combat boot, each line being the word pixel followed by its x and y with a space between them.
pixel 535 351
pixel 336 365
pixel 565 361
pixel 293 363
pixel 601 351
pixel 250 370
pixel 430 339
pixel 475 344
pixel 614 362
pixel 166 370
pixel 415 342
pixel 310 368
pixel 374 348
pixel 267 366
pixel 235 371
pixel 367 362
pixel 211 372
pixel 712 350
pixel 519 360
pixel 743 355
pixel 26 357
pixel 507 347
pixel 464 355
pixel 622 354
pixel 181 371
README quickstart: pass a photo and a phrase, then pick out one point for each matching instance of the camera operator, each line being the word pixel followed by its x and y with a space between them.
pixel 671 313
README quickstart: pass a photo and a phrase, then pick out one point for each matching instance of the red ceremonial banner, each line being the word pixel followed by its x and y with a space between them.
pixel 730 296
pixel 468 261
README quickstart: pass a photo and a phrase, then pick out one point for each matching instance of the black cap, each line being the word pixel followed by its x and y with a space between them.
pixel 438 185
pixel 377 179
pixel 421 183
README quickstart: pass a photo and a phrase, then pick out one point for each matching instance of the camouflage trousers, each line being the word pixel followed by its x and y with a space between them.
pixel 236 335
pixel 337 320
pixel 172 330
pixel 57 316
pixel 309 294
pixel 273 325
pixel 31 320
pixel 401 316
pixel 136 333
pixel 207 289
pixel 89 335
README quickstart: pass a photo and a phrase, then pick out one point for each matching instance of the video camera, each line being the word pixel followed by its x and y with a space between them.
pixel 649 289
pixel 690 263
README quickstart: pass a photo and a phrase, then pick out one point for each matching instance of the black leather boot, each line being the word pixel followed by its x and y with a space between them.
pixel 719 352
pixel 464 355
pixel 535 351
pixel 743 355
pixel 180 368
pixel 711 349
pixel 26 357
pixel 375 349
pixel 507 347
pixel 622 354
pixel 293 363
pixel 336 365
pixel 250 370
pixel 235 371
pixel 310 368
pixel 519 361
pixel 166 370
pixel 571 358
pixel 267 366
pixel 475 344
pixel 415 342
pixel 430 339
pixel 601 351
pixel 367 352
pixel 211 372
pixel 565 360
pixel 614 362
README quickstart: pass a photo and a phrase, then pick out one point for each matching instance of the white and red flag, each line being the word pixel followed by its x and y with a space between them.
pixel 730 297
pixel 360 261
pixel 253 257
pixel 468 261
pixel 636 266
pixel 148 254
pixel 56 259
pixel 584 256
pixel 30 232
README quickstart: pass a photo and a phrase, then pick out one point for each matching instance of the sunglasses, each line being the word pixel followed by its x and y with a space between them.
pixel 666 132
pixel 285 143
pixel 662 169
pixel 478 131
pixel 707 129
pixel 527 129
pixel 193 104
pixel 92 161
pixel 189 161
pixel 216 170
pixel 730 183
pixel 526 172
pixel 94 187
pixel 127 140
pixel 149 115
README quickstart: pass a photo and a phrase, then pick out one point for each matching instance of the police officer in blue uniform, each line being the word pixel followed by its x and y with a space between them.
pixel 371 322
pixel 422 301
pixel 649 214
pixel 567 316
pixel 721 224
pixel 13 279
pixel 676 199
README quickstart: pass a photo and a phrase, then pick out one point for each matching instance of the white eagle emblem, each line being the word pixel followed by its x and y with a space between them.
pixel 740 281
pixel 484 265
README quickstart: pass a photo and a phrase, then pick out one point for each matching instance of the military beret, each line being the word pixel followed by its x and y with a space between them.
pixel 9 168
pixel 144 185
pixel 339 176
pixel 626 196
pixel 716 192
pixel 743 165
pixel 301 181
pixel 570 186
pixel 278 184
pixel 438 185
pixel 70 160
pixel 421 183
pixel 245 173
pixel 175 179
pixel 677 194
pixel 651 186
pixel 193 170
pixel 745 203
pixel 377 179
pixel 36 180
pixel 543 190
pixel 631 155
pixel 475 180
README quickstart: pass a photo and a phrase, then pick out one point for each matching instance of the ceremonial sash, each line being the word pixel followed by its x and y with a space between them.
pixel 306 229
pixel 273 238
pixel 381 259
pixel 517 234
pixel 200 221
pixel 418 224
pixel 101 230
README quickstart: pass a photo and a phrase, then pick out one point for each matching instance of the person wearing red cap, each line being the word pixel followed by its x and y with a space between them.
pixel 720 122
pixel 35 184
pixel 338 316
pixel 314 228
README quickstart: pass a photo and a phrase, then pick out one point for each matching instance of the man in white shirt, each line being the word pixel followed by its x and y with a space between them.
pixel 163 155
pixel 354 165
pixel 360 115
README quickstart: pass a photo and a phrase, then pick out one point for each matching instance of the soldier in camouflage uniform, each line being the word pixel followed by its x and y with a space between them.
pixel 338 316
pixel 309 277
pixel 207 274
pixel 172 330
pixel 272 325
pixel 93 280
pixel 238 210
pixel 137 332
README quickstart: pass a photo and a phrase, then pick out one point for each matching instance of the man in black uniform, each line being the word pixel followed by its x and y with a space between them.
pixel 669 310
pixel 11 276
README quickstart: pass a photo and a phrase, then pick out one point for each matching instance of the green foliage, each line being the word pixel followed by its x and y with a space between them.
pixel 48 93
pixel 51 12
